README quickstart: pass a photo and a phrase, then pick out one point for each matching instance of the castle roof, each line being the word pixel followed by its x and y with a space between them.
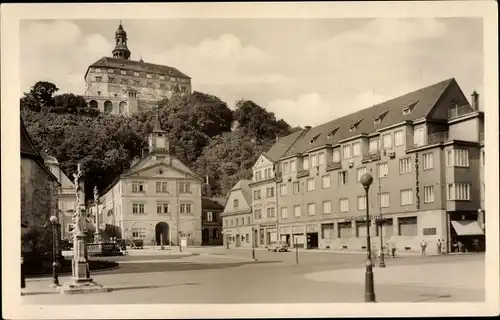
pixel 421 102
pixel 137 66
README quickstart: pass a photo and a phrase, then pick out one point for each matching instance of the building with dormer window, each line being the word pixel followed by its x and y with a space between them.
pixel 157 200
pixel 425 151
pixel 119 85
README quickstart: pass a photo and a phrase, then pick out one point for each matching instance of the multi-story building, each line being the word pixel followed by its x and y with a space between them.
pixel 157 200
pixel 211 222
pixel 423 150
pixel 119 85
pixel 237 216
pixel 265 192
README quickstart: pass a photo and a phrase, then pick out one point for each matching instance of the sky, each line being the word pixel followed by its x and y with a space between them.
pixel 306 71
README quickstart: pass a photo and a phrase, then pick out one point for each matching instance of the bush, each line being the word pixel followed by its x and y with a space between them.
pixel 44 267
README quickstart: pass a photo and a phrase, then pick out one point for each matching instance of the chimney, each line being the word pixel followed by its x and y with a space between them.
pixel 145 152
pixel 308 128
pixel 208 191
pixel 475 101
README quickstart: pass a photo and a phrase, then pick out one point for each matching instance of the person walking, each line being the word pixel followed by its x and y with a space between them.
pixel 438 247
pixel 393 250
pixel 443 247
pixel 423 246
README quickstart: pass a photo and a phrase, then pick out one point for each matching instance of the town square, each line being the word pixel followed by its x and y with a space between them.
pixel 217 162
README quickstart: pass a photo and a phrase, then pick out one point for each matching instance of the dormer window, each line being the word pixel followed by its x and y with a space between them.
pixel 378 119
pixel 332 133
pixel 136 74
pixel 97 69
pixel 314 139
pixel 123 72
pixel 162 77
pixel 354 126
pixel 409 108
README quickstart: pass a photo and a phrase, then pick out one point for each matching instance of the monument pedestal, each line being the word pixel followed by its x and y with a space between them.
pixel 81 282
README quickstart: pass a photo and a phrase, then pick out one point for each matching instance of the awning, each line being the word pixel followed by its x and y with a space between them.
pixel 467 228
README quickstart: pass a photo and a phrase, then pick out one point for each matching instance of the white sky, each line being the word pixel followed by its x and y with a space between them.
pixel 307 71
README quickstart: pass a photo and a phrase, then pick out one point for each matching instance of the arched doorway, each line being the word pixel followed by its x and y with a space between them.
pixel 93 104
pixel 108 106
pixel 121 107
pixel 162 231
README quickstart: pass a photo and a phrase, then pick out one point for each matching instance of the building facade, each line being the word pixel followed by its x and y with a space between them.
pixel 423 150
pixel 211 222
pixel 119 85
pixel 237 217
pixel 158 200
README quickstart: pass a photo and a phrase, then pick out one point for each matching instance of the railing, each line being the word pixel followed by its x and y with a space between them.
pixel 459 111
pixel 371 156
pixel 302 173
pixel 334 166
pixel 437 137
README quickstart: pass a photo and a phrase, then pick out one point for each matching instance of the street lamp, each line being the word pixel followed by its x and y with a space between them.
pixel 253 243
pixel 366 180
pixel 55 279
pixel 382 259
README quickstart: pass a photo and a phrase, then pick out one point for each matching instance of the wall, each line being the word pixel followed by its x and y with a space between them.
pixel 467 130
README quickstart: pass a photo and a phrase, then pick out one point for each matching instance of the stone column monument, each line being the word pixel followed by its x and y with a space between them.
pixel 97 235
pixel 81 281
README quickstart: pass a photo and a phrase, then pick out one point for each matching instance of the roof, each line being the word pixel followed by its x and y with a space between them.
pixel 138 66
pixel 244 186
pixel 282 145
pixel 211 204
pixel 422 102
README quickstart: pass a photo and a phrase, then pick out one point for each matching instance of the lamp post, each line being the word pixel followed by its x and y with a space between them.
pixel 366 180
pixel 382 258
pixel 55 279
pixel 253 244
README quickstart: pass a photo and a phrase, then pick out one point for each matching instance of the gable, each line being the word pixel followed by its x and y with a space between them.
pixel 243 205
pixel 161 170
pixel 261 162
pixel 147 166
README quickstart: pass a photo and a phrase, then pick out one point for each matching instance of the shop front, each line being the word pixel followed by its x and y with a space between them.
pixel 312 236
pixel 285 235
pixel 466 234
pixel 268 233
pixel 298 236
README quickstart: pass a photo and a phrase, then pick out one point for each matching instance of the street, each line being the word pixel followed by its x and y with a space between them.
pixel 217 275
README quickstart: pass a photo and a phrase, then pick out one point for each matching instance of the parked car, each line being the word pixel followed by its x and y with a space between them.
pixel 278 246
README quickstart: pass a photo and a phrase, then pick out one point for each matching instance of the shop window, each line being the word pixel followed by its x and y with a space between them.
pixel 407 226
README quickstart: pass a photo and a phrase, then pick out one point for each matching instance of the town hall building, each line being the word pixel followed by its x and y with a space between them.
pixel 119 85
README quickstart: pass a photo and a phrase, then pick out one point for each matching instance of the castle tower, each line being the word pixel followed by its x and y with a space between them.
pixel 121 50
pixel 158 138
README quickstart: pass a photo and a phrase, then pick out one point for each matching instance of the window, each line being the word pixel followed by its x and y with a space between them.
pixel 429 194
pixel 216 233
pixel 161 187
pixel 296 211
pixel 327 207
pixel 293 167
pixel 314 160
pixel 408 226
pixel 149 84
pixel 185 208
pixel 327 231
pixel 99 93
pixel 257 213
pixel 361 229
pixel 332 133
pixel 258 175
pixel 383 170
pixel 325 181
pixel 256 194
pixel 162 208
pixel 404 165
pixel 361 202
pixel 98 79
pixel 149 76
pixel 457 158
pixel 137 82
pixel 311 209
pixel 336 155
pixel 138 208
pixel 482 158
pixel 210 216
pixel 248 220
pixel 343 178
pixel 310 184
pixel 360 172
pixel 97 69
pixel 283 190
pixel 406 197
pixel 383 200
pixel 138 233
pixel 162 77
pixel 458 191
pixel 136 74
pixel 373 145
pixel 284 212
pixel 285 167
pixel 270 192
pixel 356 149
pixel 305 163
pixel 296 187
pixel 137 186
pixel 271 212
pixel 428 161
pixel 110 70
pixel 123 72
pixel 111 79
pixel 344 229
pixel 344 205
pixel 124 81
pixel 398 138
pixel 321 158
pixel 236 203
pixel 387 140
pixel 184 187
pixel 346 150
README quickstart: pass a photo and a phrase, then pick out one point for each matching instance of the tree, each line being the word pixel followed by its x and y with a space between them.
pixel 40 97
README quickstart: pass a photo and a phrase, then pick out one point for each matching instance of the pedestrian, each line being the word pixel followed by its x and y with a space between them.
pixel 393 250
pixel 443 247
pixel 455 246
pixel 476 245
pixel 438 247
pixel 460 246
pixel 423 245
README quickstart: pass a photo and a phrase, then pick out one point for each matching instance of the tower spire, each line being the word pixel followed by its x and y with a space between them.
pixel 121 50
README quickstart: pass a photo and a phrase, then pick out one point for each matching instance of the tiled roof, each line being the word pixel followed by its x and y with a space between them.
pixel 211 204
pixel 137 66
pixel 422 102
pixel 282 145
pixel 27 147
pixel 244 185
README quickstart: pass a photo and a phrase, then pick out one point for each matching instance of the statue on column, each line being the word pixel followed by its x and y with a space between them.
pixel 97 235
pixel 79 217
